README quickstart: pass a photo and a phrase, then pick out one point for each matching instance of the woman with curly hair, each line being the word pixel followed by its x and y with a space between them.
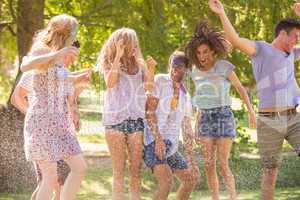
pixel 126 75
pixel 215 123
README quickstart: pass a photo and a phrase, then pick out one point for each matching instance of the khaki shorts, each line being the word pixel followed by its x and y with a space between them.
pixel 271 132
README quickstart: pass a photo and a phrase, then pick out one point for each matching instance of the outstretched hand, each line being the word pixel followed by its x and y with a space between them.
pixel 296 9
pixel 216 6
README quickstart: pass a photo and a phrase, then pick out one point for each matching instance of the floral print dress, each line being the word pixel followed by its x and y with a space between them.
pixel 49 132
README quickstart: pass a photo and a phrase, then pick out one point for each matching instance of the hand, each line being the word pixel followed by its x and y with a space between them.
pixel 119 48
pixel 216 6
pixel 76 120
pixel 151 64
pixel 160 148
pixel 252 119
pixel 70 52
pixel 84 78
pixel 296 9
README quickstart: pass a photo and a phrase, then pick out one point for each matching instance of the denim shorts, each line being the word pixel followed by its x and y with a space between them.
pixel 129 126
pixel 175 161
pixel 217 122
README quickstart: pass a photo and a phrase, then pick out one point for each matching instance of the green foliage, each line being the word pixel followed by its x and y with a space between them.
pixel 162 26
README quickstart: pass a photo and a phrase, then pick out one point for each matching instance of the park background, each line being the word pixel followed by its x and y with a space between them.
pixel 162 26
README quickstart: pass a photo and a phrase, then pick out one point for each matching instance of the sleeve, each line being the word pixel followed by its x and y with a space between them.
pixel 297 53
pixel 225 67
pixel 188 109
pixel 26 81
pixel 259 49
pixel 157 88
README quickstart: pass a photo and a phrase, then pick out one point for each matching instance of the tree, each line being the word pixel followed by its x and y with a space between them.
pixel 16 172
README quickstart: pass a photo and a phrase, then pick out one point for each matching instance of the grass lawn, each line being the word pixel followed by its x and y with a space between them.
pixel 97 184
pixel 92 138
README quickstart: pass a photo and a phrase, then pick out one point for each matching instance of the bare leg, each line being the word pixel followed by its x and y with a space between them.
pixel 268 183
pixel 34 194
pixel 49 180
pixel 188 178
pixel 116 142
pixel 135 155
pixel 224 147
pixel 164 176
pixel 72 185
pixel 209 155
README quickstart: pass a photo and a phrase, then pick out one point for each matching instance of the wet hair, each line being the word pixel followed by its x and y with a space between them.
pixel 204 34
pixel 109 49
pixel 287 25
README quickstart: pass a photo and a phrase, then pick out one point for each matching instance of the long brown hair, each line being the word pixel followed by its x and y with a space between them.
pixel 204 34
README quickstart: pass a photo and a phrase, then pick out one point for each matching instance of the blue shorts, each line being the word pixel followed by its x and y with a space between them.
pixel 129 126
pixel 175 161
pixel 217 122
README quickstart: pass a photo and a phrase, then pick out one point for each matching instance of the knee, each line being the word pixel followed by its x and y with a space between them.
pixel 210 164
pixel 79 169
pixel 165 184
pixel 50 180
pixel 225 169
pixel 135 170
pixel 195 178
pixel 192 179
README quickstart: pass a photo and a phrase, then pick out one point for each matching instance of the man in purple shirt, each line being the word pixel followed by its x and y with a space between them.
pixel 273 68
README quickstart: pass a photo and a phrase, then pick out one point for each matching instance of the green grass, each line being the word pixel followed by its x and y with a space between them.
pixel 97 184
pixel 92 138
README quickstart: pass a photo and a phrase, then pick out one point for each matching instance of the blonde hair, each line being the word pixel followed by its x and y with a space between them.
pixel 60 32
pixel 109 49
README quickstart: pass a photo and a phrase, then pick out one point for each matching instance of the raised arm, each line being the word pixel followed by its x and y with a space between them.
pixel 245 45
pixel 112 73
pixel 42 57
pixel 149 70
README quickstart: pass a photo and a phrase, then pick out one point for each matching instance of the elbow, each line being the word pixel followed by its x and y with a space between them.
pixel 23 67
pixel 13 100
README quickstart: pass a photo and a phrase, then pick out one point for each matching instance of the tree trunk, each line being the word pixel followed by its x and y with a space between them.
pixel 16 173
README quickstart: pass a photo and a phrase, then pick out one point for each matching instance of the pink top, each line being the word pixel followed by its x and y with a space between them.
pixel 125 100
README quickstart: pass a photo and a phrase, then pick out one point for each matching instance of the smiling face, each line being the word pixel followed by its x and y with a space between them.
pixel 289 39
pixel 205 55
pixel 178 72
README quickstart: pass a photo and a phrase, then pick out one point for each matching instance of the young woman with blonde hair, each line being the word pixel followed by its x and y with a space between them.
pixel 126 76
pixel 48 131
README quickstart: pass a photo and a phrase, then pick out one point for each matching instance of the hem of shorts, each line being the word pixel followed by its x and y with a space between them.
pixel 128 133
pixel 217 137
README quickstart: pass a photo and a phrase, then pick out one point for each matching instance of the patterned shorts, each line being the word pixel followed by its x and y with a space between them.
pixel 129 126
pixel 217 122
pixel 175 161
pixel 63 171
